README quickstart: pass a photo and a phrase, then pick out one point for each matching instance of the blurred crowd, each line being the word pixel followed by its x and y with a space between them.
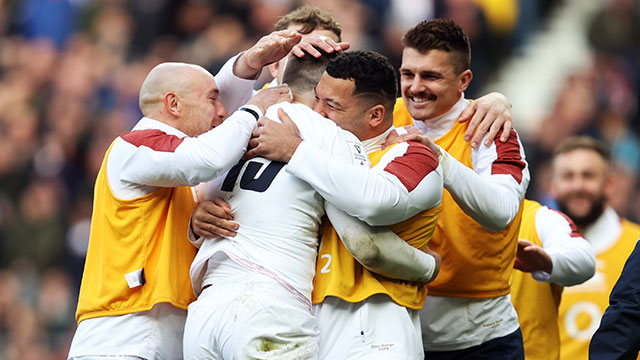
pixel 70 71
pixel 600 101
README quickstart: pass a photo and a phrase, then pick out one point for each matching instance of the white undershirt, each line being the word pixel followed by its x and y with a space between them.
pixel 605 231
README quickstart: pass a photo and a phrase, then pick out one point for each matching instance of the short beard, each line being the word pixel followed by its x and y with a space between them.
pixel 597 208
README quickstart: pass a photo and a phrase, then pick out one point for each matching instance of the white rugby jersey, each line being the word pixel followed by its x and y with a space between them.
pixel 279 214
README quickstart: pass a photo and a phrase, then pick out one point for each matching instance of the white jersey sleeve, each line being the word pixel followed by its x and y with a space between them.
pixel 573 258
pixel 335 145
pixel 380 250
pixel 234 91
pixel 407 182
pixel 160 159
pixel 491 192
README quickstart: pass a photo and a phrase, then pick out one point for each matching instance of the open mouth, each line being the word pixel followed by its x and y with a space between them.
pixel 422 99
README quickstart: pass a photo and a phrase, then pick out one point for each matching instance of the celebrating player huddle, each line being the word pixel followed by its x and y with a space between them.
pixel 324 218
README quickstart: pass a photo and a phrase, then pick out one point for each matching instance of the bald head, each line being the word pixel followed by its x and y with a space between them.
pixel 183 96
pixel 180 78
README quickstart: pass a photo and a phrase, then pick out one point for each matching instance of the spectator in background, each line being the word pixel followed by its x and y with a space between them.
pixel 40 224
pixel 600 101
pixel 53 19
pixel 574 112
pixel 582 186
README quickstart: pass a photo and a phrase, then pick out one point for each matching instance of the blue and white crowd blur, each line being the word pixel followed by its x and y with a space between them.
pixel 70 71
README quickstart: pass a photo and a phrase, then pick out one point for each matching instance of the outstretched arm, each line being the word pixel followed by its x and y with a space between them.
pixel 236 78
pixel 160 159
pixel 270 48
pixel 406 181
pixel 491 192
pixel 569 259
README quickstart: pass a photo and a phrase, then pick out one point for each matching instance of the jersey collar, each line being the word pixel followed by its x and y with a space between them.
pixel 148 123
pixel 605 231
pixel 375 143
pixel 437 127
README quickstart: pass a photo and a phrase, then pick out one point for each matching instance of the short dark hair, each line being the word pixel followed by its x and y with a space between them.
pixel 311 18
pixel 373 74
pixel 303 74
pixel 441 34
pixel 582 142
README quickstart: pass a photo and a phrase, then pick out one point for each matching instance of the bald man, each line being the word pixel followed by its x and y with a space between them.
pixel 136 288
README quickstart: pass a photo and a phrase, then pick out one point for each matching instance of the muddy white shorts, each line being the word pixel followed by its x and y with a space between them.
pixel 376 328
pixel 250 316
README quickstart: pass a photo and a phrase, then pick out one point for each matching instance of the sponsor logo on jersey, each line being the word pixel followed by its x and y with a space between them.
pixel 357 154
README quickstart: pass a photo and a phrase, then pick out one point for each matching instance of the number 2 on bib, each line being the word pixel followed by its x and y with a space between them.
pixel 326 268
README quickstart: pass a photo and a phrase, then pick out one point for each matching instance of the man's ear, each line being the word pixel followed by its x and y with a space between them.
pixel 464 79
pixel 172 104
pixel 375 116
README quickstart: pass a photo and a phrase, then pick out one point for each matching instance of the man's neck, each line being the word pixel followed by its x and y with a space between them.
pixel 604 231
pixel 374 143
pixel 163 118
pixel 150 123
pixel 437 126
pixel 306 98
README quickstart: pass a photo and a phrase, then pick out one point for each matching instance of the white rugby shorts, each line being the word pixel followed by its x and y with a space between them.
pixel 376 328
pixel 249 316
pixel 153 334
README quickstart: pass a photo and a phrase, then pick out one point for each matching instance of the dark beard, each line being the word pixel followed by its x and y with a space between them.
pixel 597 208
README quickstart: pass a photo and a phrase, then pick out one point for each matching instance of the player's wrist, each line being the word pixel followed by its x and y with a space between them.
pixel 252 109
pixel 243 70
pixel 541 276
pixel 445 161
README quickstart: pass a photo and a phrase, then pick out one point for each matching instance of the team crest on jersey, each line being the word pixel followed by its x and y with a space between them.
pixel 358 153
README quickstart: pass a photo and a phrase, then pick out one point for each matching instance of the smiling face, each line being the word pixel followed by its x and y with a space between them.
pixel 184 96
pixel 429 83
pixel 581 184
pixel 335 101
